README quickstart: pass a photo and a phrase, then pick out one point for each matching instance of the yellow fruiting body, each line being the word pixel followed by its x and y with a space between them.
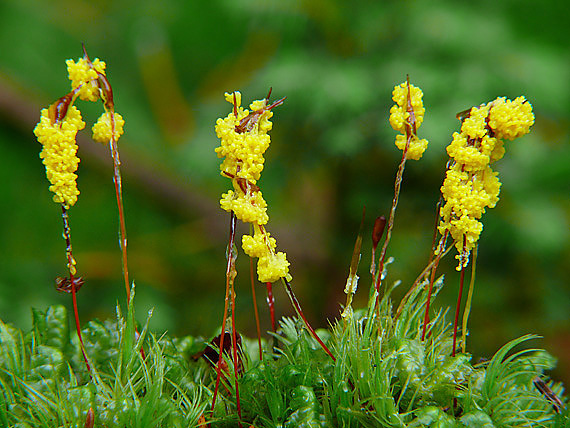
pixel 272 267
pixel 416 147
pixel 59 153
pixel 244 140
pixel 403 121
pixel 398 113
pixel 470 184
pixel 102 130
pixel 248 207
pixel 84 76
pixel 257 245
pixel 243 152
pixel 57 134
pixel 511 119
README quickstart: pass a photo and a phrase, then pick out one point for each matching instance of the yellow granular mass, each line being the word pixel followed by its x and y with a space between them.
pixel 491 184
pixel 399 111
pixel 259 245
pixel 59 153
pixel 243 152
pixel 466 197
pixel 249 208
pixel 498 151
pixel 84 75
pixel 511 119
pixel 401 120
pixel 470 185
pixel 475 126
pixel 243 141
pixel 416 147
pixel 472 158
pixel 102 130
pixel 272 267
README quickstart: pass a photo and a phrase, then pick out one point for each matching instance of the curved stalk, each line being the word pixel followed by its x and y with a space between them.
pixel 299 311
pixel 72 279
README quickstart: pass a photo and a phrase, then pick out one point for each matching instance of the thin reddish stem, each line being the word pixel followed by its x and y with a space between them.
pixel 461 280
pixel 77 323
pixel 234 345
pixel 271 304
pixel 256 313
pixel 299 311
pixel 410 132
pixel 71 267
pixel 440 252
pixel 233 221
pixel 424 273
pixel 119 195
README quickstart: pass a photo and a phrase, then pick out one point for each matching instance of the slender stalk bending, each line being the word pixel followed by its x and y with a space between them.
pixel 271 304
pixel 461 280
pixel 299 311
pixel 256 313
pixel 440 252
pixel 73 283
pixel 230 276
pixel 468 302
pixel 406 116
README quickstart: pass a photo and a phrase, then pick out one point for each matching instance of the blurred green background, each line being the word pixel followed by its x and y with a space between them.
pixel 332 153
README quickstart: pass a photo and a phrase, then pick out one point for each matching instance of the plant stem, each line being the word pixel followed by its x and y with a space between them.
pixel 440 252
pixel 390 224
pixel 469 298
pixel 271 303
pixel 461 280
pixel 122 227
pixel 435 229
pixel 234 342
pixel 233 221
pixel 72 271
pixel 256 313
pixel 299 311
pixel 410 132
pixel 119 194
pixel 424 273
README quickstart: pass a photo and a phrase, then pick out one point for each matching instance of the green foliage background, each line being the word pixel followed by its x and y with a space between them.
pixel 332 152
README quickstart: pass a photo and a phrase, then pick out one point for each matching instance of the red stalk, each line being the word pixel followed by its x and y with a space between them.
pixel 77 324
pixel 71 266
pixel 234 343
pixel 119 196
pixel 431 280
pixel 233 221
pixel 457 309
pixel 299 311
pixel 271 303
pixel 461 280
pixel 410 132
pixel 256 313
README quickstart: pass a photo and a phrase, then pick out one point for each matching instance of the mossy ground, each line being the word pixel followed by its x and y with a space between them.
pixel 384 375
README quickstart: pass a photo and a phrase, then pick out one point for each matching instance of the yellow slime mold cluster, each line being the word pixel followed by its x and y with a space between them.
pixel 58 126
pixel 406 117
pixel 244 139
pixel 470 184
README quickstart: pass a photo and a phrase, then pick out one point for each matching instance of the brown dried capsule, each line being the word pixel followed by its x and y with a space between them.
pixel 64 284
pixel 248 122
pixel 90 419
pixel 58 109
pixel 378 231
pixel 212 355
